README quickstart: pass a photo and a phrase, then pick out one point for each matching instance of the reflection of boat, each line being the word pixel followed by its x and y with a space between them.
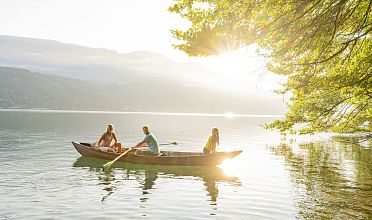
pixel 149 173
pixel 211 173
pixel 167 158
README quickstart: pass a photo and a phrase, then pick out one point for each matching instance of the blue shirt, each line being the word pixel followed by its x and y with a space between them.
pixel 152 143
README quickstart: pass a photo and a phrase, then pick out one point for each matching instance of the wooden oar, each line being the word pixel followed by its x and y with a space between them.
pixel 107 165
pixel 172 143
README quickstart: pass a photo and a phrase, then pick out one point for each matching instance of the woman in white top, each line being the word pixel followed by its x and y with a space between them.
pixel 104 143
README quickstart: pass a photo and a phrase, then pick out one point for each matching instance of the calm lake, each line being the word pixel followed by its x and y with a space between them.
pixel 44 177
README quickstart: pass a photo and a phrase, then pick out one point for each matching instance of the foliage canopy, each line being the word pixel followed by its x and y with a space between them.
pixel 323 47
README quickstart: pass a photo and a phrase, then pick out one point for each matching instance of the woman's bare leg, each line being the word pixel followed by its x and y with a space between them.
pixel 118 147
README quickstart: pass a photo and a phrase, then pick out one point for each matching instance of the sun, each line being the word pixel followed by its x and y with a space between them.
pixel 236 62
pixel 241 72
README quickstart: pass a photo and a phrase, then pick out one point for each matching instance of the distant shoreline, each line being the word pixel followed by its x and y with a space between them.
pixel 227 115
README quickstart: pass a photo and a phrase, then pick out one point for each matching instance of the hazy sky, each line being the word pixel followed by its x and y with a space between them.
pixel 124 26
pixel 121 25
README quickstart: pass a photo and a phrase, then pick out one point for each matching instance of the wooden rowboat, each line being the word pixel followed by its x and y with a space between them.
pixel 168 157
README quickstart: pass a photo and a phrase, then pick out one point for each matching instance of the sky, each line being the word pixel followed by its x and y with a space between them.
pixel 125 26
pixel 121 25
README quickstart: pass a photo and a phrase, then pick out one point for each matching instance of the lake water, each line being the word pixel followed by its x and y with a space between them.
pixel 43 177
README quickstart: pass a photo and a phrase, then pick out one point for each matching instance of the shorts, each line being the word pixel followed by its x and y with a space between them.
pixel 106 149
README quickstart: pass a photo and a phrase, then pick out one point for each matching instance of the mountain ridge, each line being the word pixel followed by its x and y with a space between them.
pixel 22 89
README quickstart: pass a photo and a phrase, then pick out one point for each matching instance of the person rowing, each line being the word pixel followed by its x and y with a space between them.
pixel 150 141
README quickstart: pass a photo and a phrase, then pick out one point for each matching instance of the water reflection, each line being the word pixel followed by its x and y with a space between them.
pixel 107 179
pixel 148 183
pixel 333 180
pixel 147 175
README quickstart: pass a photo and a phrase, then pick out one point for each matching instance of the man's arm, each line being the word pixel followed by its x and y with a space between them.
pixel 140 144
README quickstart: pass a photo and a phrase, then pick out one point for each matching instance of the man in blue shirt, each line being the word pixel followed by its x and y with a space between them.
pixel 150 140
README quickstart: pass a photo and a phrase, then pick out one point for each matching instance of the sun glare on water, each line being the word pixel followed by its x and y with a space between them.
pixel 230 115
pixel 229 167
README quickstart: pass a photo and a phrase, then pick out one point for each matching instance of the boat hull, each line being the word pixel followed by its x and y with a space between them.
pixel 169 157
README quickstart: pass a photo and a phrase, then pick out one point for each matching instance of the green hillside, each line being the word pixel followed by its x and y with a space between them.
pixel 21 88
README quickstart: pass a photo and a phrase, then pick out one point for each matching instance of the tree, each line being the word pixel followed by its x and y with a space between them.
pixel 323 47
